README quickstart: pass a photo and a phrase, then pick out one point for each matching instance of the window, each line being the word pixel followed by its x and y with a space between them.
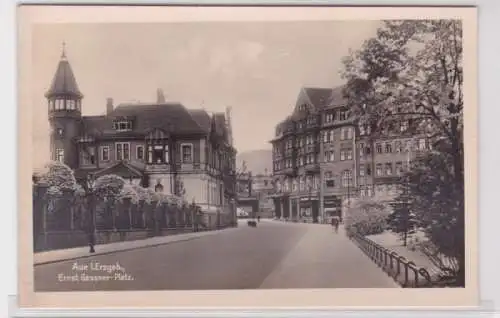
pixel 123 125
pixel 404 126
pixel 388 148
pixel 399 168
pixel 59 155
pixel 122 151
pixel 368 150
pixel 329 118
pixel 346 155
pixel 139 152
pixel 301 183
pixel 87 155
pixel 309 139
pixel 361 170
pixel 347 178
pixel 187 153
pixel 379 148
pixel 388 169
pixel 330 183
pixel 345 133
pixel 329 156
pixel 342 115
pixel 105 153
pixel 368 171
pixel 399 147
pixel 379 169
pixel 158 154
pixel 421 144
pixel 361 148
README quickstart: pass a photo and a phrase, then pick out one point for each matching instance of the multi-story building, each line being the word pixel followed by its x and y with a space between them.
pixel 160 145
pixel 321 156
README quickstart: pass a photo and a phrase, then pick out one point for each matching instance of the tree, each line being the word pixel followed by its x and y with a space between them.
pixel 437 201
pixel 58 176
pixel 410 76
pixel 402 221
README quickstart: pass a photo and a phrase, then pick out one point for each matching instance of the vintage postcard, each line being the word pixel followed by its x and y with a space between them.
pixel 247 156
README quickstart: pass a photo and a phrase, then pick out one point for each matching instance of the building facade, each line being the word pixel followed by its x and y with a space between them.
pixel 321 156
pixel 161 145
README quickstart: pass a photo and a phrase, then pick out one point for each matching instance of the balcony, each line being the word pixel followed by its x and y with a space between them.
pixel 311 167
pixel 157 168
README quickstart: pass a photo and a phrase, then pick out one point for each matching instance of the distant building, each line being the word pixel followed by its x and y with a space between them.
pixel 162 145
pixel 321 156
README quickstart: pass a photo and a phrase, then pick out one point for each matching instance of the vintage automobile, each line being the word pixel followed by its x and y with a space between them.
pixel 252 223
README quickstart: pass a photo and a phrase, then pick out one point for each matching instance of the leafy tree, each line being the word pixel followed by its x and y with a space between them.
pixel 410 75
pixel 402 220
pixel 58 175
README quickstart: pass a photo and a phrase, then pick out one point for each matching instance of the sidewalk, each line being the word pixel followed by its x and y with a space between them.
pixel 82 252
pixel 393 242
pixel 325 259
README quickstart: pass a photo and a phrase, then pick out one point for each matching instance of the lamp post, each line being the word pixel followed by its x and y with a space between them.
pixel 89 193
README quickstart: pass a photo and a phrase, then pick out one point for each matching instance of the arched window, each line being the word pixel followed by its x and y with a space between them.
pixel 347 178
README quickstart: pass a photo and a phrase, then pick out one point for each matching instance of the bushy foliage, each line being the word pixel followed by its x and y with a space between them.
pixel 143 194
pixel 58 175
pixel 128 192
pixel 109 186
pixel 365 216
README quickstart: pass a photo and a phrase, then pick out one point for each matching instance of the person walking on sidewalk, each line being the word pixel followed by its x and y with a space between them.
pixel 335 224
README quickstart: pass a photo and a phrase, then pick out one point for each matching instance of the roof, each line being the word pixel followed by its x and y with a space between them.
pixel 64 82
pixel 337 97
pixel 201 117
pixel 122 169
pixel 167 116
pixel 319 97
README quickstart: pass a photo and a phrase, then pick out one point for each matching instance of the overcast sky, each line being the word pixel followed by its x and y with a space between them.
pixel 257 68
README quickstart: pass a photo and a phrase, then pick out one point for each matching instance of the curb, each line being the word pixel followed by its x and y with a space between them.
pixel 127 249
pixel 115 251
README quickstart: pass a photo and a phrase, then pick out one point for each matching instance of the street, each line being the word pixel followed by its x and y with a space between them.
pixel 272 255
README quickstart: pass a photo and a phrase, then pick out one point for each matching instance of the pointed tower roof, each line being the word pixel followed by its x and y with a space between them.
pixel 64 82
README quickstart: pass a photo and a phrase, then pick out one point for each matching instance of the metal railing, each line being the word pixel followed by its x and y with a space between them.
pixel 403 271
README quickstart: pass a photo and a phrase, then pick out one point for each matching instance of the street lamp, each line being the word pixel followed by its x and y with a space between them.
pixel 89 193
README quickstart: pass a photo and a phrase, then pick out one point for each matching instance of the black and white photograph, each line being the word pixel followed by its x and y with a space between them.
pixel 249 155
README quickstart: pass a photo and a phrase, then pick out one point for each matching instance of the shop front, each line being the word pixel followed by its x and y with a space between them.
pixel 332 205
pixel 309 208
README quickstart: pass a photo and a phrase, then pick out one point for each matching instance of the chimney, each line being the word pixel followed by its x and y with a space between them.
pixel 160 97
pixel 109 105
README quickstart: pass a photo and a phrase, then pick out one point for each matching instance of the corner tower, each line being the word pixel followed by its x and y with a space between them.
pixel 64 106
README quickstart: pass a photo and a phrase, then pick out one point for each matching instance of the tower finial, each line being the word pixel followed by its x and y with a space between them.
pixel 63 54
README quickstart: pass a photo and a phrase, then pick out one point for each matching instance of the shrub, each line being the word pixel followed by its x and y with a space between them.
pixel 128 192
pixel 109 186
pixel 365 216
pixel 57 174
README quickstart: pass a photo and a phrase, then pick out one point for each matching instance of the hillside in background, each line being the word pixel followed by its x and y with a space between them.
pixel 257 161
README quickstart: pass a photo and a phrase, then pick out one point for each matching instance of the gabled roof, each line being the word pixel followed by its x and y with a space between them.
pixel 64 82
pixel 122 169
pixel 319 97
pixel 201 117
pixel 337 97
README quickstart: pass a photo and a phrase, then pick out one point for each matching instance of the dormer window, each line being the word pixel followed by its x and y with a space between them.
pixel 122 125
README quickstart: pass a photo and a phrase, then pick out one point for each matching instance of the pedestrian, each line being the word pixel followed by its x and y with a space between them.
pixel 335 224
pixel 258 218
